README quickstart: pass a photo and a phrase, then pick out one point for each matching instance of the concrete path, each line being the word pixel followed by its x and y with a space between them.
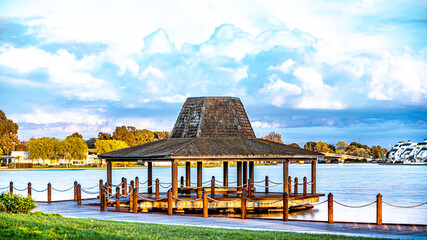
pixel 72 210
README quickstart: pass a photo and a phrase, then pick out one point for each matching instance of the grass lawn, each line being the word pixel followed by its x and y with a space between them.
pixel 42 226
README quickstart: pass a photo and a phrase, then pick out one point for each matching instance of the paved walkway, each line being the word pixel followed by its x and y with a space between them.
pixel 71 209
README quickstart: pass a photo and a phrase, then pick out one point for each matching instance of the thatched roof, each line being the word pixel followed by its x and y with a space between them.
pixel 211 128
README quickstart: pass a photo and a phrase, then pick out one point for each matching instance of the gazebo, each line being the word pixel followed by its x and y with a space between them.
pixel 215 129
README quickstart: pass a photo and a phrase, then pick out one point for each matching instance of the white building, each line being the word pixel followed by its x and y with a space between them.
pixel 410 152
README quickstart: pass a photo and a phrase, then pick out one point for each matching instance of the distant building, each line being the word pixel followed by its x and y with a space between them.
pixel 410 152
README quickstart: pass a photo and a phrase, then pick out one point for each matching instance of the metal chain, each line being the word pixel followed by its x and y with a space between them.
pixel 38 190
pixel 65 190
pixel 146 187
pixel 161 185
pixel 414 206
pixel 91 187
pixel 264 203
pixel 143 182
pixel 88 192
pixel 344 205
pixel 20 190
pixel 4 188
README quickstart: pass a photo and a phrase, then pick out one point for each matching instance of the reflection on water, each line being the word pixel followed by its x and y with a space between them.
pixel 352 184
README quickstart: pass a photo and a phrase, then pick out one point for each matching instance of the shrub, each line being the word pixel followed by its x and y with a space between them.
pixel 15 203
pixel 21 165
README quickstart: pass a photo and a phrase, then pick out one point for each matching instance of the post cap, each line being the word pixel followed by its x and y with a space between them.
pixel 330 195
pixel 379 195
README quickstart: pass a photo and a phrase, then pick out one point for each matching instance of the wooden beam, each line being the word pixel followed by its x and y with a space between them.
pixel 225 176
pixel 285 175
pixel 199 178
pixel 313 177
pixel 239 176
pixel 150 177
pixel 251 171
pixel 245 172
pixel 188 173
pixel 174 169
pixel 109 172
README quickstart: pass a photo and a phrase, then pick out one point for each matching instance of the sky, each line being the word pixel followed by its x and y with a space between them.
pixel 309 70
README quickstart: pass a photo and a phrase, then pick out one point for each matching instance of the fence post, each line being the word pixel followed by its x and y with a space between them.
pixel 379 209
pixel 137 184
pixel 79 194
pixel 290 185
pixel 102 200
pixel 157 188
pixel 266 184
pixel 243 205
pixel 29 189
pixel 117 199
pixel 170 207
pixel 11 187
pixel 75 190
pixel 249 187
pixel 182 181
pixel 135 201
pixel 124 186
pixel 101 185
pixel 213 187
pixel 285 206
pixel 132 186
pixel 49 193
pixel 330 208
pixel 296 187
pixel 205 204
pixel 107 191
pixel 304 192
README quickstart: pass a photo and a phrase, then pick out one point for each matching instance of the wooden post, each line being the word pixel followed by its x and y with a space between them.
pixel 109 172
pixel 330 208
pixel 11 187
pixel 225 176
pixel 49 193
pixel 251 170
pixel 296 187
pixel 285 176
pixel 157 188
pixel 243 205
pixel 131 199
pixel 131 187
pixel 79 194
pixel 199 179
pixel 102 200
pixel 205 204
pixel 188 174
pixel 289 185
pixel 379 209
pixel 249 187
pixel 266 184
pixel 170 207
pixel 239 178
pixel 304 192
pixel 107 191
pixel 313 176
pixel 29 190
pixel 285 206
pixel 101 185
pixel 135 201
pixel 213 187
pixel 182 181
pixel 175 179
pixel 124 186
pixel 117 199
pixel 137 185
pixel 245 174
pixel 75 190
pixel 150 177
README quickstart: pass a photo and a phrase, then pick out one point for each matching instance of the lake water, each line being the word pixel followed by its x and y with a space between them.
pixel 351 184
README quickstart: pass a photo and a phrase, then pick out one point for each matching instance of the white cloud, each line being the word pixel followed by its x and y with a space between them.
pixel 260 124
pixel 158 42
pixel 75 116
pixel 277 90
pixel 152 72
pixel 285 67
pixel 316 94
pixel 235 74
pixel 146 123
pixel 177 98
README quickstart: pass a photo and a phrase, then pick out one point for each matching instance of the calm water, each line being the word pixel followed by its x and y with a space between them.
pixel 351 184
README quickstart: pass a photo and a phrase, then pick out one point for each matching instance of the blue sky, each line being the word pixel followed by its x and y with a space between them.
pixel 310 70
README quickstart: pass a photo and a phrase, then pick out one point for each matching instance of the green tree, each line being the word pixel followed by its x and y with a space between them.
pixel 295 145
pixel 312 146
pixel 274 137
pixel 322 147
pixel 103 146
pixel 104 136
pixel 342 145
pixel 91 143
pixel 76 134
pixel 22 146
pixel 1 151
pixel 133 136
pixel 8 134
pixel 73 148
pixel 161 135
pixel 45 149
